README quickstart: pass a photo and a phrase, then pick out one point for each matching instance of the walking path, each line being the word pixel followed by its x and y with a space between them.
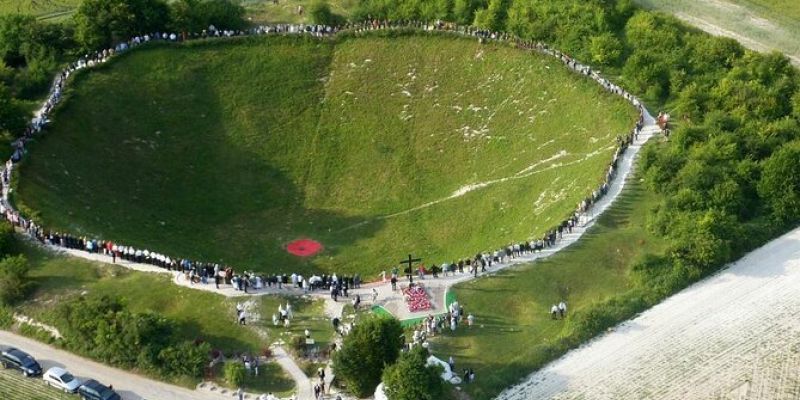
pixel 394 300
pixel 731 336
pixel 303 383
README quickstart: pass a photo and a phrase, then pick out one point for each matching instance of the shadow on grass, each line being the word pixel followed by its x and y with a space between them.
pixel 204 192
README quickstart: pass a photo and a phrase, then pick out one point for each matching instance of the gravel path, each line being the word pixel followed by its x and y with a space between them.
pixel 732 336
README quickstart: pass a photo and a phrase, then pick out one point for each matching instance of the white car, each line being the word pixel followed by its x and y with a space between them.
pixel 61 379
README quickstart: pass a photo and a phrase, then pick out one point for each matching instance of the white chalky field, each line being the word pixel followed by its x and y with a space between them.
pixel 735 335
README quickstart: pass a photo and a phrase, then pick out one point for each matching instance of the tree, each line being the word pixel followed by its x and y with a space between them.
pixel 796 104
pixel 184 16
pixel 13 117
pixel 605 49
pixel 195 15
pixel 234 373
pixel 101 23
pixel 372 345
pixel 520 15
pixel 492 17
pixel 14 283
pixel 16 34
pixel 780 183
pixel 223 14
pixel 463 11
pixel 410 378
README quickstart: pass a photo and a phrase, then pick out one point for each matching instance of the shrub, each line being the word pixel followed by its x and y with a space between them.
pixel 780 183
pixel 234 373
pixel 186 358
pixel 14 283
pixel 6 317
pixel 298 345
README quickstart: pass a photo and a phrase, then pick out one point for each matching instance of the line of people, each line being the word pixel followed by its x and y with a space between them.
pixel 203 272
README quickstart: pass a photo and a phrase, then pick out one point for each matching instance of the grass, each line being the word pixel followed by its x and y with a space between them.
pixel 228 161
pixel 43 9
pixel 14 386
pixel 270 379
pixel 201 315
pixel 759 24
pixel 776 9
pixel 257 11
pixel 513 329
pixel 285 11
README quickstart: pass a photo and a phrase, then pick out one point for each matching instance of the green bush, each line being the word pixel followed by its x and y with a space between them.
pixel 104 329
pixel 14 282
pixel 101 23
pixel 6 317
pixel 780 183
pixel 37 333
pixel 185 359
pixel 234 373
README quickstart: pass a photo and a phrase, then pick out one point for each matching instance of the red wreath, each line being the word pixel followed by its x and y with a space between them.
pixel 417 299
pixel 304 247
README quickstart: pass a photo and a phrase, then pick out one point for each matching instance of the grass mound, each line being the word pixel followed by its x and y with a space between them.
pixel 374 147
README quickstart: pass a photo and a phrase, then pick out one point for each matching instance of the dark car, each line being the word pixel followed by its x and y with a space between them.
pixel 94 390
pixel 20 360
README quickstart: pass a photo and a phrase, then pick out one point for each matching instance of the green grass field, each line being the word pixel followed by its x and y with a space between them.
pixel 200 315
pixel 286 11
pixel 226 151
pixel 43 9
pixel 512 326
pixel 257 11
pixel 759 24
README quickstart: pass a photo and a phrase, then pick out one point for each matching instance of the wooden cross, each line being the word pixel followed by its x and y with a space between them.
pixel 409 262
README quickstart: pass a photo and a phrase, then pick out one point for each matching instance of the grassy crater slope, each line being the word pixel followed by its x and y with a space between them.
pixel 513 333
pixel 228 150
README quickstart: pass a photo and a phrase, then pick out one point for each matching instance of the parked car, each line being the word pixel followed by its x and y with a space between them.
pixel 61 379
pixel 94 390
pixel 20 360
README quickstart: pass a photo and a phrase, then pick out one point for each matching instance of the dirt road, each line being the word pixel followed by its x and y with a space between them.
pixel 129 386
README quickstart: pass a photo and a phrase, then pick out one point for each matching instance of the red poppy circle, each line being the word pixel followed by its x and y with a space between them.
pixel 304 247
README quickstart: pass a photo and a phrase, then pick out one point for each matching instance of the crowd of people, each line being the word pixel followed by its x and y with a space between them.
pixel 205 273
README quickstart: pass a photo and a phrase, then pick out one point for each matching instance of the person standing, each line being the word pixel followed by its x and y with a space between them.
pixel 562 308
